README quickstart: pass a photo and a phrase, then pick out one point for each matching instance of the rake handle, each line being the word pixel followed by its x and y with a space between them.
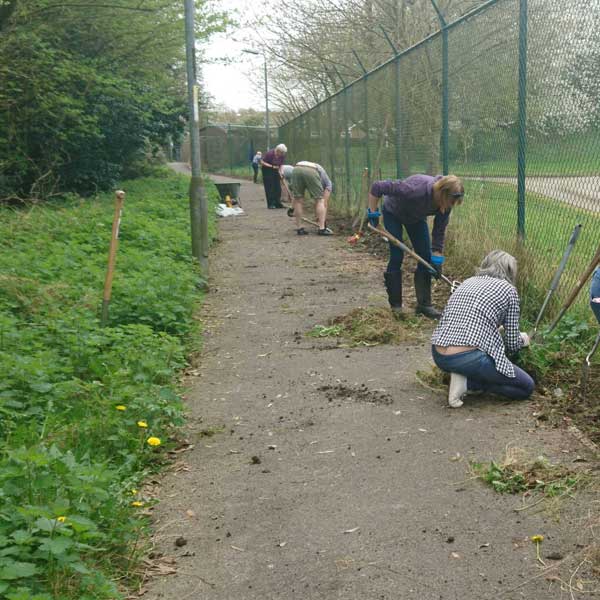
pixel 580 283
pixel 390 238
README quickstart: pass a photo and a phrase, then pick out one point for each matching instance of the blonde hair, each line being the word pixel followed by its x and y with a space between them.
pixel 448 192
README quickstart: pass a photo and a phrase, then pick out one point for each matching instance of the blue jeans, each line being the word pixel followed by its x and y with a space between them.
pixel 480 370
pixel 595 293
pixel 419 237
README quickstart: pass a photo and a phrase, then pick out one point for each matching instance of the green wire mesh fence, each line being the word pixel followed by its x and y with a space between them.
pixel 228 149
pixel 511 103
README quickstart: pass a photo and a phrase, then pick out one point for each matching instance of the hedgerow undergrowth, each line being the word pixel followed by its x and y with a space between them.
pixel 86 412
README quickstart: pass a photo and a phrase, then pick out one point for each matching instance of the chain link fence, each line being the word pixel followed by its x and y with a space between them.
pixel 229 148
pixel 508 97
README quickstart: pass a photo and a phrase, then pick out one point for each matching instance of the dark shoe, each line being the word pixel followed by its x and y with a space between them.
pixel 290 212
pixel 301 231
pixel 423 291
pixel 393 286
pixel 325 231
pixel 279 206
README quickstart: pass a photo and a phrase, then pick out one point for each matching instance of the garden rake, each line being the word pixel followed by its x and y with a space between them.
pixel 580 283
pixel 557 276
pixel 393 240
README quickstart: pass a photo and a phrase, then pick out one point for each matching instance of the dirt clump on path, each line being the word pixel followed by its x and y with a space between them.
pixel 359 393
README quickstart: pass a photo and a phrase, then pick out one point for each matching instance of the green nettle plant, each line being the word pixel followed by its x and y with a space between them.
pixel 86 412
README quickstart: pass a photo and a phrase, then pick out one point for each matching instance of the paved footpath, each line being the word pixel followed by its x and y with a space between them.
pixel 302 484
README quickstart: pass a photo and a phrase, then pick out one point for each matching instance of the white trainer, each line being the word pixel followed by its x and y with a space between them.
pixel 458 388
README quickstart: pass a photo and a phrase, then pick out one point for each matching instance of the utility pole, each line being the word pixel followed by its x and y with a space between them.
pixel 267 125
pixel 198 203
pixel 267 104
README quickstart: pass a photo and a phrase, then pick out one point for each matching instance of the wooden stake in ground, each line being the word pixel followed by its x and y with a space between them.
pixel 112 256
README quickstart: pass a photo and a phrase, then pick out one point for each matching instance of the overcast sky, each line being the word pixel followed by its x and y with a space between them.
pixel 231 84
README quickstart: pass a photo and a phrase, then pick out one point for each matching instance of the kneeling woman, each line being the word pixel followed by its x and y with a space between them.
pixel 467 342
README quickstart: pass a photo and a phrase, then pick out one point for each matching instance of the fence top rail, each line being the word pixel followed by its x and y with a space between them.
pixel 226 126
pixel 483 7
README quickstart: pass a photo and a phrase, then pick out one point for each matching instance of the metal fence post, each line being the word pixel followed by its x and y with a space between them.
pixel 445 90
pixel 522 142
pixel 346 137
pixel 229 149
pixel 366 109
pixel 198 199
pixel 398 119
pixel 347 147
pixel 330 139
pixel 398 107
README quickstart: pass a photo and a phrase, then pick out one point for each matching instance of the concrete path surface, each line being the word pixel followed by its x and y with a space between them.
pixel 322 472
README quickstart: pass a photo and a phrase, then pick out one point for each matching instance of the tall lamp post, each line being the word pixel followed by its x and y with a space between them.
pixel 268 128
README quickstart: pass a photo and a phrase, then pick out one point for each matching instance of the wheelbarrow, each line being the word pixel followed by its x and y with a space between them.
pixel 229 192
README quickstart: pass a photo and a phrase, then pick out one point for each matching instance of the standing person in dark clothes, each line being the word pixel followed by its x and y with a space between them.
pixel 255 164
pixel 407 203
pixel 271 166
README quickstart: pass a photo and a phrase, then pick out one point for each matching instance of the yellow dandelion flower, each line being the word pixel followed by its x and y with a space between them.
pixel 153 441
pixel 121 407
pixel 137 503
pixel 61 519
pixel 134 492
pixel 537 539
pixel 142 424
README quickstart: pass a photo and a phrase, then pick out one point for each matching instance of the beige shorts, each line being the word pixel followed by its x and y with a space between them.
pixel 307 179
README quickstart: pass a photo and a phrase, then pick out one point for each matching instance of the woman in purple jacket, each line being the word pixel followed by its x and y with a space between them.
pixel 407 203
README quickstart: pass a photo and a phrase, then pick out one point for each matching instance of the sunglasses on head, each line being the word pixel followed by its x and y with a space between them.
pixel 457 194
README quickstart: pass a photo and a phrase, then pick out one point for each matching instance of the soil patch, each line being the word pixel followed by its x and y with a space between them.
pixel 362 393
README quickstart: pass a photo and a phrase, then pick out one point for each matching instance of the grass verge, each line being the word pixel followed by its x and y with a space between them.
pixel 87 412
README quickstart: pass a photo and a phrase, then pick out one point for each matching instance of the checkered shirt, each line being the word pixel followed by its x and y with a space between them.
pixel 473 314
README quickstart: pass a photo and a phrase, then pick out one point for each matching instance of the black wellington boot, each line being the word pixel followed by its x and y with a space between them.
pixel 423 291
pixel 393 285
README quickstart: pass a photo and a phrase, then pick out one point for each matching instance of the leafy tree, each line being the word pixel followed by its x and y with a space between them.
pixel 88 90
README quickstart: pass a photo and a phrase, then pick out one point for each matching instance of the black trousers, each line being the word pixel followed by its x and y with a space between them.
pixel 272 185
pixel 255 169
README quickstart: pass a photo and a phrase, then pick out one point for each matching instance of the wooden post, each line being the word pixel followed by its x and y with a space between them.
pixel 112 256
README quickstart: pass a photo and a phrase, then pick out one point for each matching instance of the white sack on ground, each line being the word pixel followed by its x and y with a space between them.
pixel 224 211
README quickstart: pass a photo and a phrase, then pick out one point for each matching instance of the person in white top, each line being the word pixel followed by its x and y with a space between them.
pixel 312 178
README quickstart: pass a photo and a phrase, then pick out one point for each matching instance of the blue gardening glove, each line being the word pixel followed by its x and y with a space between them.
pixel 373 216
pixel 437 262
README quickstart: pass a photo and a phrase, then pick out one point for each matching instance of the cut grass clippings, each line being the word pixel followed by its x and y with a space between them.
pixel 532 477
pixel 370 327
